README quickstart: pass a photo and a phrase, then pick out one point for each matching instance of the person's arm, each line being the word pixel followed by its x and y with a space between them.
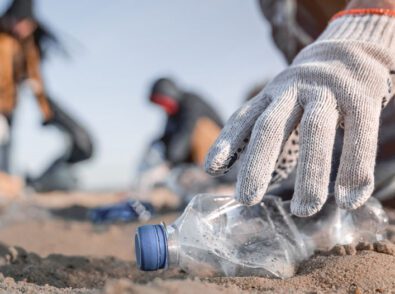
pixel 8 49
pixel 35 79
pixel 345 78
pixel 363 4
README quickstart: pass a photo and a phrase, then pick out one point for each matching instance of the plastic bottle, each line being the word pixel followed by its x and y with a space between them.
pixel 216 236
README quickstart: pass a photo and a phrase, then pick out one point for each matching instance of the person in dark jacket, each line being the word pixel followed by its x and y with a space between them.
pixel 192 124
pixel 24 42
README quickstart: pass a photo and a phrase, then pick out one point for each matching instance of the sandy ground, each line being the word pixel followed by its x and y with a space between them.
pixel 67 254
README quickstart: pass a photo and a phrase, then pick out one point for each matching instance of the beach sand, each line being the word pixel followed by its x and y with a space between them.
pixel 65 253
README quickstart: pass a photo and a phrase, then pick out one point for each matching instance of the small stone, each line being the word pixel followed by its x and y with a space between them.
pixel 358 291
pixel 338 250
pixel 13 253
pixel 8 280
pixel 391 234
pixel 385 247
pixel 350 249
pixel 354 289
pixel 5 260
pixel 364 246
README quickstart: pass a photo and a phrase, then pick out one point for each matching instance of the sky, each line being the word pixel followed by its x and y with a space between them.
pixel 217 48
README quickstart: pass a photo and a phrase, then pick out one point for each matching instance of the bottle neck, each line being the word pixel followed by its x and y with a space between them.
pixel 173 247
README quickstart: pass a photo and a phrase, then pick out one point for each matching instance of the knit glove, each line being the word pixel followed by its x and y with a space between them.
pixel 345 77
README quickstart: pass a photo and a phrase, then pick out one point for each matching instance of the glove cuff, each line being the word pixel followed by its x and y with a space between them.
pixel 365 11
pixel 370 28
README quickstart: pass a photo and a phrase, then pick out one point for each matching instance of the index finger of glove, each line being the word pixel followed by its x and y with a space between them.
pixel 234 136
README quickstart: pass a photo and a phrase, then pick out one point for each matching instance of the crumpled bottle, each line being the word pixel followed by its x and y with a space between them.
pixel 217 236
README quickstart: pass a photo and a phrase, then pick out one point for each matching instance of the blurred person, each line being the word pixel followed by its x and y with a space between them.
pixel 192 124
pixel 24 42
pixel 340 74
pixel 174 161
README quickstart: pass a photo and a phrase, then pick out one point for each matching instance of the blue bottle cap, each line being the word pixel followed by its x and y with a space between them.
pixel 151 247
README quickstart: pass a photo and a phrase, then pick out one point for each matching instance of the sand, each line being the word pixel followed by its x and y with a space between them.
pixel 65 253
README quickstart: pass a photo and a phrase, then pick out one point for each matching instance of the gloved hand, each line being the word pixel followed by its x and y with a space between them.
pixel 343 77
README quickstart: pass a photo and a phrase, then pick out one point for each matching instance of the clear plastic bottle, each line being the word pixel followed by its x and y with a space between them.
pixel 217 236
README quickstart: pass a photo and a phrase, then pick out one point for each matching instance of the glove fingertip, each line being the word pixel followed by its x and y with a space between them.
pixel 218 162
pixel 249 199
pixel 305 208
pixel 353 198
pixel 213 170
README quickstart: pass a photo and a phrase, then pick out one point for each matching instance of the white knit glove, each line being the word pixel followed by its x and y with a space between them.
pixel 343 77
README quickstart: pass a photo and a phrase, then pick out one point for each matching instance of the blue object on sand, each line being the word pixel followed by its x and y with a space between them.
pixel 131 210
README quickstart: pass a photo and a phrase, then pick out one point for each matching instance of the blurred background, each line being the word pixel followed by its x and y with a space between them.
pixel 218 49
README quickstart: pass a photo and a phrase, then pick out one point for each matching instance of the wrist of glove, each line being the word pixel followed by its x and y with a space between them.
pixel 344 77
